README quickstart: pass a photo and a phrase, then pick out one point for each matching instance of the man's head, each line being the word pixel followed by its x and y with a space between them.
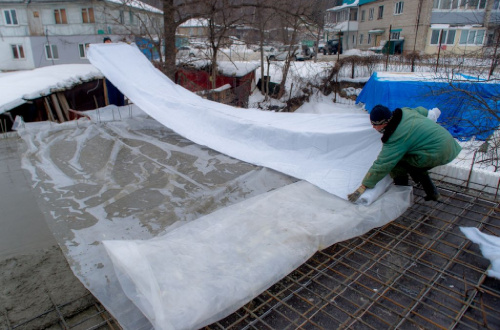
pixel 106 40
pixel 379 117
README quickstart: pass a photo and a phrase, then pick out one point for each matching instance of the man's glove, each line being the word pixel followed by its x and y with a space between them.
pixel 355 195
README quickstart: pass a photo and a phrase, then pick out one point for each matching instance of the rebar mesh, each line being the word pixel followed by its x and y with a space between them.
pixel 417 272
pixel 78 314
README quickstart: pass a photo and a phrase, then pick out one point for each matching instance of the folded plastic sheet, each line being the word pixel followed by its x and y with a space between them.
pixel 205 270
pixel 331 151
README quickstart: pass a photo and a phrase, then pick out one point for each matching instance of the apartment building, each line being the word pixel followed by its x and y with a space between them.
pixel 428 26
pixel 37 33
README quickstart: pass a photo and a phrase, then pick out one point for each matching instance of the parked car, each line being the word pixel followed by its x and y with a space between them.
pixel 306 53
pixel 333 46
pixel 185 51
pixel 321 47
pixel 296 52
pixel 197 50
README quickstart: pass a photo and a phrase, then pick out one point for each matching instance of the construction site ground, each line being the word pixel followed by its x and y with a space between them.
pixel 417 272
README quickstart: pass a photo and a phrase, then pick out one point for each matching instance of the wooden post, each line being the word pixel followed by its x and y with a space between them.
pixel 106 100
pixel 64 104
pixel 50 116
pixel 439 50
pixel 57 107
pixel 388 48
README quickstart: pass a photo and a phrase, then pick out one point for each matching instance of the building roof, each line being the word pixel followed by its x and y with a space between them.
pixel 137 4
pixel 21 86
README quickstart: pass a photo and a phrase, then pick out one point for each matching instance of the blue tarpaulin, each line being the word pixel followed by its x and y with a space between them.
pixel 469 106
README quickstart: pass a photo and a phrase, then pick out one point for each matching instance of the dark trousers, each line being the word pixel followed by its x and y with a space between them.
pixel 420 175
pixel 114 95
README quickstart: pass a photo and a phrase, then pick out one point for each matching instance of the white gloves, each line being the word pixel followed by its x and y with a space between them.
pixel 434 114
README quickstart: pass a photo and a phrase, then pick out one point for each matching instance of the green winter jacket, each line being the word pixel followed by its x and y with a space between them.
pixel 412 137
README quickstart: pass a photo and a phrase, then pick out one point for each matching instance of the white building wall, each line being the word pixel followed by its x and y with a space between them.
pixel 37 27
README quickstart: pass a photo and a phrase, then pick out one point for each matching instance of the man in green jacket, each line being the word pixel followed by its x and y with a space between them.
pixel 412 144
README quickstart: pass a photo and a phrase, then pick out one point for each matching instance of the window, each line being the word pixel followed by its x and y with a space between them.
pixel 447 37
pixel 82 48
pixel 369 42
pixel 496 5
pixel 363 15
pixel 398 8
pixel 395 35
pixel 60 16
pixel 361 37
pixel 17 51
pixel 472 37
pixel 459 4
pixel 353 15
pixel 88 15
pixel 380 12
pixel 353 39
pixel 10 16
pixel 131 17
pixel 121 18
pixel 370 14
pixel 51 52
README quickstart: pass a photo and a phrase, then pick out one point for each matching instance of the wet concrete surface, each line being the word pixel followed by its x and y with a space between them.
pixel 34 274
pixel 23 228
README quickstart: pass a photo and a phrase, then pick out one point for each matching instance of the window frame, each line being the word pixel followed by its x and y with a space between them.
pixel 12 16
pixel 371 13
pixel 399 7
pixel 395 35
pixel 363 14
pixel 458 5
pixel 121 16
pixel 131 17
pixel 60 16
pixel 18 52
pixel 49 52
pixel 467 34
pixel 88 15
pixel 82 48
pixel 361 37
pixel 446 37
pixel 380 13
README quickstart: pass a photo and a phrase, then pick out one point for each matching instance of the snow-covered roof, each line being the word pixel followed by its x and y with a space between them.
pixel 342 26
pixel 195 22
pixel 137 4
pixel 22 86
pixel 346 4
pixel 229 68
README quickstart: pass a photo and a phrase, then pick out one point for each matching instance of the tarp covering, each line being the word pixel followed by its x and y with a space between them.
pixel 460 99
pixel 332 151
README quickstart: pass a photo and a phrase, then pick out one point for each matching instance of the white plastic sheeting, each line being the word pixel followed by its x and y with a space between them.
pixel 331 151
pixel 207 269
pixel 489 245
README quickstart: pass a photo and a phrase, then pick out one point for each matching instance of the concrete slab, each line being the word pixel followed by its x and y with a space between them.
pixel 23 226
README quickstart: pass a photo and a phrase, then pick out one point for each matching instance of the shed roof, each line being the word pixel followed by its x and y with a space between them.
pixel 22 86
